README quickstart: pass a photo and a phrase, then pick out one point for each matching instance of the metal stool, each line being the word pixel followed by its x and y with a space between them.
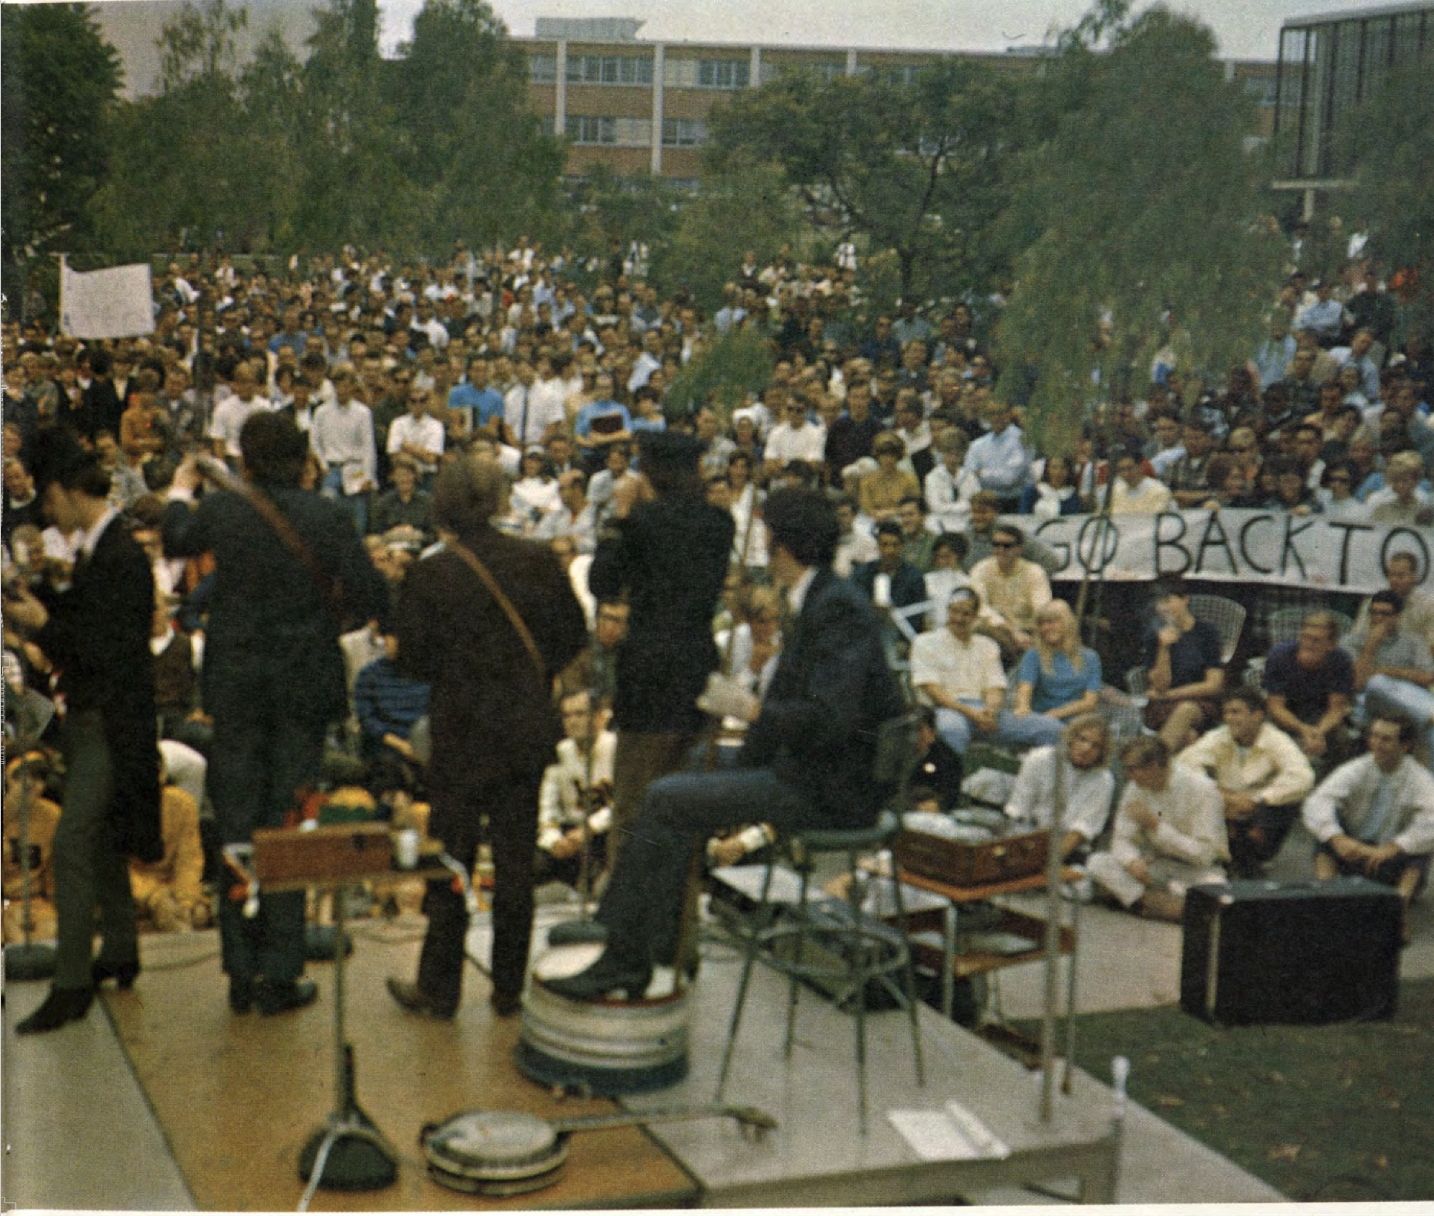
pixel 866 948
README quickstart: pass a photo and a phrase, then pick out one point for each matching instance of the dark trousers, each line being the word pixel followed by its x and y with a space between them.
pixel 88 870
pixel 1256 839
pixel 511 805
pixel 642 907
pixel 256 765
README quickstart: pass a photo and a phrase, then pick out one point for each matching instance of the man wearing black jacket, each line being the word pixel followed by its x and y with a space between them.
pixel 807 762
pixel 273 676
pixel 96 633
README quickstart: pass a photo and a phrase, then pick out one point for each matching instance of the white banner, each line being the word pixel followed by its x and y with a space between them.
pixel 114 303
pixel 1232 546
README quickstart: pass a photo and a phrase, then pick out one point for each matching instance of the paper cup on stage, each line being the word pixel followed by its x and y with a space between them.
pixel 405 849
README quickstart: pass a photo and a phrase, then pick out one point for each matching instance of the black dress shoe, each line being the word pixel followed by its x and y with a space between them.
pixel 283 996
pixel 506 1004
pixel 606 975
pixel 241 993
pixel 577 932
pixel 60 1006
pixel 123 973
pixel 412 998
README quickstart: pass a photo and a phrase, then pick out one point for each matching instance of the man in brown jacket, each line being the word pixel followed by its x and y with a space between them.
pixel 494 724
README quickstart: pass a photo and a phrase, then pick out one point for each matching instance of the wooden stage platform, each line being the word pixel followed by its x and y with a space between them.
pixel 237 1097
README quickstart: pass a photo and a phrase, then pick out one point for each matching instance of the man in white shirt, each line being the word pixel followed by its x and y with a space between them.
pixel 958 671
pixel 793 438
pixel 1262 776
pixel 1000 459
pixel 342 438
pixel 1080 765
pixel 948 487
pixel 533 408
pixel 418 435
pixel 230 414
pixel 1169 834
pixel 575 787
pixel 1374 816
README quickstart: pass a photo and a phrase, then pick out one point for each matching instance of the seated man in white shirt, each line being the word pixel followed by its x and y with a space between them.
pixel 1262 775
pixel 1374 816
pixel 576 787
pixel 1169 834
pixel 1080 766
pixel 958 671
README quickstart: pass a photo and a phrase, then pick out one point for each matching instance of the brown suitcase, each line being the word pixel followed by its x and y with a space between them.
pixel 324 854
pixel 973 865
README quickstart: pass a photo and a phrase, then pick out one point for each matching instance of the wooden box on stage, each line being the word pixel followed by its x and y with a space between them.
pixel 325 854
pixel 1259 952
pixel 973 865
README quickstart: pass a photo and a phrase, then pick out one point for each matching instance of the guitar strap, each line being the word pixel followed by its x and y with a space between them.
pixel 474 563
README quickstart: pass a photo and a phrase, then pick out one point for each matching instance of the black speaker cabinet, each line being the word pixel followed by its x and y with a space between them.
pixel 1260 951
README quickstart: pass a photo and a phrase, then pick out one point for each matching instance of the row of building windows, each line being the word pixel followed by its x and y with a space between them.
pixel 600 130
pixel 637 70
pixel 697 73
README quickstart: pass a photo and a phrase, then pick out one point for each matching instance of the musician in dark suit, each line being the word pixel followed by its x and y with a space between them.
pixel 493 720
pixel 96 633
pixel 273 677
pixel 807 761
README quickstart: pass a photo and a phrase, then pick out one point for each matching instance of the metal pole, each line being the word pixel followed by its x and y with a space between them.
pixel 1054 866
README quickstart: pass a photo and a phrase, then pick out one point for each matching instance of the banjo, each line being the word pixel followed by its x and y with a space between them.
pixel 503 1152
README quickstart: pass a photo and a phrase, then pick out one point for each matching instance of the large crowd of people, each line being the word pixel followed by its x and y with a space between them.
pixel 565 377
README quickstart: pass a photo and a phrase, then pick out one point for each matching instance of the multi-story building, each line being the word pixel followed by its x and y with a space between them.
pixel 643 107
pixel 1328 65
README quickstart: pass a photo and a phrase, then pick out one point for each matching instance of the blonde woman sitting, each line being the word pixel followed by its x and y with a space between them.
pixel 1058 678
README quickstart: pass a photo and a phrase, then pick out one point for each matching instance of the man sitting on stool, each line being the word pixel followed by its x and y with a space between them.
pixel 1375 815
pixel 807 761
pixel 1262 775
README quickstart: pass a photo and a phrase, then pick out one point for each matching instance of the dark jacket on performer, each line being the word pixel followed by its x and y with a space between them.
pixel 271 631
pixel 670 556
pixel 494 728
pixel 98 638
pixel 831 691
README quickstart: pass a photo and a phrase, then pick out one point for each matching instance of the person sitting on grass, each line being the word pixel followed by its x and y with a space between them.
pixel 1374 816
pixel 1262 775
pixel 1169 834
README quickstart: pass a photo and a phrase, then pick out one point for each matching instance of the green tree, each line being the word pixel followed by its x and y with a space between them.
pixel 1145 206
pixel 179 174
pixel 1390 142
pixel 747 207
pixel 918 168
pixel 60 82
pixel 611 207
pixel 474 149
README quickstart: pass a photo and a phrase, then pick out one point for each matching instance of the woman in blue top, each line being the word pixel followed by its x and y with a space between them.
pixel 1057 678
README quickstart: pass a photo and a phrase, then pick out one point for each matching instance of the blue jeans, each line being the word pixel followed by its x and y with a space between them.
pixel 1031 730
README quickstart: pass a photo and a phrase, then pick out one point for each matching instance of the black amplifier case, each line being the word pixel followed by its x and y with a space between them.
pixel 1262 951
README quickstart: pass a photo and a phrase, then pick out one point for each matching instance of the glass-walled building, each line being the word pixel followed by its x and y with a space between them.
pixel 1327 66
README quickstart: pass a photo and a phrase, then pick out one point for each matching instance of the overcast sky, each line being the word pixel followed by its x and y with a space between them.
pixel 1246 29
